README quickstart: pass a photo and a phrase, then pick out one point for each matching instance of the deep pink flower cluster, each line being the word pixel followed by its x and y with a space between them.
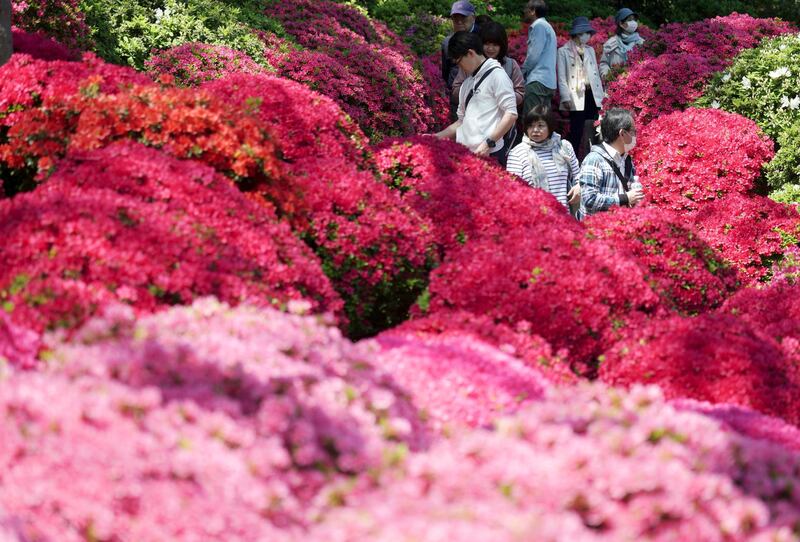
pixel 465 197
pixel 40 46
pixel 191 64
pixel 684 165
pixel 132 224
pixel 379 83
pixel 751 232
pixel 669 71
pixel 455 379
pixel 18 345
pixel 688 275
pixel 711 357
pixel 588 464
pixel 59 19
pixel 773 309
pixel 518 341
pixel 574 292
pixel 374 247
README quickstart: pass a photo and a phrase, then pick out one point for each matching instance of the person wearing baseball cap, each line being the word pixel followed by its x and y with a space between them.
pixel 579 83
pixel 462 15
pixel 617 47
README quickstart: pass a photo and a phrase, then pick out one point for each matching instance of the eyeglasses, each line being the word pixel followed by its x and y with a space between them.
pixel 456 61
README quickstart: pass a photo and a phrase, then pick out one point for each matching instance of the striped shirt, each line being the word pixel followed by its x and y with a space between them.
pixel 560 180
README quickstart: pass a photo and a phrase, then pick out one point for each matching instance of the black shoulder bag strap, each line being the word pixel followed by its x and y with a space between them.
pixel 618 173
pixel 471 92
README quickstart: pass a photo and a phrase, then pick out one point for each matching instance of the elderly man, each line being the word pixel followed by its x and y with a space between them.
pixel 607 176
pixel 487 106
pixel 539 68
pixel 462 14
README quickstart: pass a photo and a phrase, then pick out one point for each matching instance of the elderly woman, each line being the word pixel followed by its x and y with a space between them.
pixel 579 83
pixel 544 160
pixel 617 47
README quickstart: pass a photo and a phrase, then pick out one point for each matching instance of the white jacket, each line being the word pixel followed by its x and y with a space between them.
pixel 567 77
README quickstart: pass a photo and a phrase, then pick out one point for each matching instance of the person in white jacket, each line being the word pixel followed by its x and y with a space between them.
pixel 579 84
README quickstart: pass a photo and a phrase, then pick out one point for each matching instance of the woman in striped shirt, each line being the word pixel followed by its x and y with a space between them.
pixel 544 160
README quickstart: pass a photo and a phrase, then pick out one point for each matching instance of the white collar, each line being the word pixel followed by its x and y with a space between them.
pixel 613 153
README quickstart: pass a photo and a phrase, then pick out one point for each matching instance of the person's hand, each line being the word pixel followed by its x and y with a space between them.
pixel 567 104
pixel 635 196
pixel 483 149
pixel 574 195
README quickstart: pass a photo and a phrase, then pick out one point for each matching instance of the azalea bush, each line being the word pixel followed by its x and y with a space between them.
pixel 752 233
pixel 191 64
pixel 591 464
pixel 683 165
pixel 133 225
pixel 40 47
pixel 126 31
pixel 713 357
pixel 686 272
pixel 62 20
pixel 763 85
pixel 373 246
pixel 353 52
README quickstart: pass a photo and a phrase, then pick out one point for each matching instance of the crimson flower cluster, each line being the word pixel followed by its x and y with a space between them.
pixel 713 357
pixel 751 232
pixel 687 273
pixel 191 64
pixel 40 46
pixel 684 165
pixel 379 83
pixel 60 19
pixel 131 224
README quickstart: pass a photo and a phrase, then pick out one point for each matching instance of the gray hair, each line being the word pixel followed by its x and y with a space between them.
pixel 613 121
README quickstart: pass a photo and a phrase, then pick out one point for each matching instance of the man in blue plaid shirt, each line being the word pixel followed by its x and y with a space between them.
pixel 607 175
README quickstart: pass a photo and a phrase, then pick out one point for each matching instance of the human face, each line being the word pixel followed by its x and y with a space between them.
pixel 462 23
pixel 528 15
pixel 538 132
pixel 492 50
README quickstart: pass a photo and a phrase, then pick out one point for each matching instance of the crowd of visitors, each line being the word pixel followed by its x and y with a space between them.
pixel 489 91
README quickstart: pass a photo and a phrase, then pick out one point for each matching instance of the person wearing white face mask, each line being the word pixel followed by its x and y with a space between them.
pixel 579 83
pixel 617 47
pixel 607 176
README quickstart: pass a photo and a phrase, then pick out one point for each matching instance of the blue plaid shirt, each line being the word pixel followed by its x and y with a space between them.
pixel 600 187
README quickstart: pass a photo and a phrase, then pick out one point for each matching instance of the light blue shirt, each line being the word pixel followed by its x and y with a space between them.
pixel 540 64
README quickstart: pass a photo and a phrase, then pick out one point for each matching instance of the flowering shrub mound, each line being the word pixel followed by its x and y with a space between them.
pixel 718 39
pixel 773 309
pixel 456 379
pixel 191 64
pixel 658 86
pixel 306 125
pixel 359 63
pixel 517 341
pixel 688 275
pixel 752 233
pixel 683 165
pixel 464 196
pixel 62 20
pixel 40 47
pixel 712 357
pixel 373 246
pixel 588 464
pixel 131 224
pixel 185 123
pixel 574 293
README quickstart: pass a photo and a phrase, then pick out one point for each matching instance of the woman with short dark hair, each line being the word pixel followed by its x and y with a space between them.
pixel 544 160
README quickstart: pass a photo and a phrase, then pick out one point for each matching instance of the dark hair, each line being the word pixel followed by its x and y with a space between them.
pixel 613 121
pixel 462 42
pixel 495 33
pixel 539 7
pixel 481 20
pixel 537 113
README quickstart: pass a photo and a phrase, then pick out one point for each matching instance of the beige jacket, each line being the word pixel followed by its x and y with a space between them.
pixel 567 62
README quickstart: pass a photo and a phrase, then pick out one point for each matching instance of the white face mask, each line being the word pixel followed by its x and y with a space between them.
pixel 631 26
pixel 584 38
pixel 629 146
